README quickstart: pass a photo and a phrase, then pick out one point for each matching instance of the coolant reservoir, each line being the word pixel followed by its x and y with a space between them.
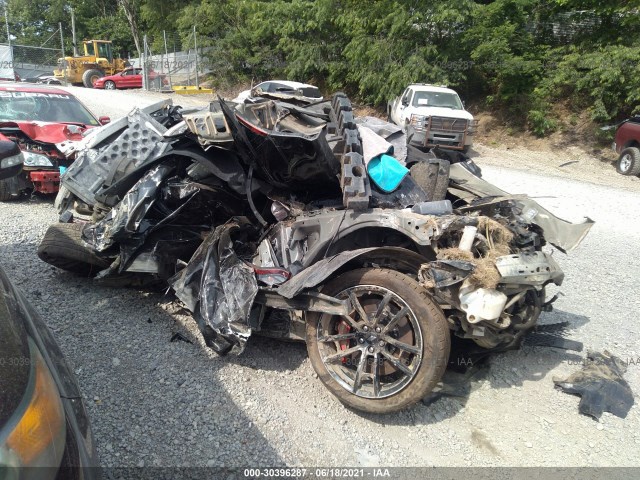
pixel 481 303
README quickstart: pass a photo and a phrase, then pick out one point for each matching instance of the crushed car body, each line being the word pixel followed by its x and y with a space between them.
pixel 303 222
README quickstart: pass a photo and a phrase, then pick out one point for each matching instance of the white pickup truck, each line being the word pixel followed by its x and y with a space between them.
pixel 433 116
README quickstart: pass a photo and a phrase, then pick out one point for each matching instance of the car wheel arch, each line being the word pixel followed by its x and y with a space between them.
pixel 631 143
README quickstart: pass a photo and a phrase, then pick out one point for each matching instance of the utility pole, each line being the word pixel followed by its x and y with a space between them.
pixel 73 34
pixel 61 38
pixel 195 47
pixel 6 22
pixel 166 52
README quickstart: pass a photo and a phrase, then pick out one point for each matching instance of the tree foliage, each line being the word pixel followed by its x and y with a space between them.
pixel 519 56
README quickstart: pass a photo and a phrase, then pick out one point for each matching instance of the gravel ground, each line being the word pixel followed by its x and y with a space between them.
pixel 157 402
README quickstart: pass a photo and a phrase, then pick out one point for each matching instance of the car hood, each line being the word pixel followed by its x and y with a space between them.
pixel 45 132
pixel 443 112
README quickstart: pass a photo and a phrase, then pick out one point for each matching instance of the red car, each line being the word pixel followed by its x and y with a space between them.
pixel 129 78
pixel 627 145
pixel 37 118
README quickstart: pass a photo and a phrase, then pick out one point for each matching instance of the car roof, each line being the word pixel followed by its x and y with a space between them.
pixel 291 84
pixel 423 87
pixel 31 88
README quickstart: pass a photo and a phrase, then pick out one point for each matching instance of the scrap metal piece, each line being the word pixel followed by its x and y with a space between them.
pixel 95 136
pixel 354 182
pixel 219 289
pixel 392 133
pixel 97 168
pixel 210 127
pixel 307 301
pixel 601 386
pixel 562 234
pixel 445 273
pixel 529 269
pixel 126 221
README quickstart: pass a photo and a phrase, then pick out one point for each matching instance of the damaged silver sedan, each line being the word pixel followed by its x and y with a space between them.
pixel 307 223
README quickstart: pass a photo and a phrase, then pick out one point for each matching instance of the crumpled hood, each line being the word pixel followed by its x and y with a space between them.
pixel 442 112
pixel 45 132
pixel 562 234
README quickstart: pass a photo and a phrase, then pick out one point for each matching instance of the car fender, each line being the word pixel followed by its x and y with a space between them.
pixel 320 271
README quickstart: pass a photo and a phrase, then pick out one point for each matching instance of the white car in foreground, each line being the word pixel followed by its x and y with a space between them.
pixel 433 116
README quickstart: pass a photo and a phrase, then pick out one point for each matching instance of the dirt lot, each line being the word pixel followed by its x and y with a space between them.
pixel 157 402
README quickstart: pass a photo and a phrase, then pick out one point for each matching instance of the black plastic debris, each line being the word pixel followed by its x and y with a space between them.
pixel 219 288
pixel 178 336
pixel 601 386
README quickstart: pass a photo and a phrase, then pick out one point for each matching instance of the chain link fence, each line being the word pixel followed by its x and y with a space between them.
pixel 169 61
pixel 30 63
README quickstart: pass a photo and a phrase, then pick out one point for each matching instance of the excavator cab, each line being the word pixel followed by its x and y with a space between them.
pixel 99 49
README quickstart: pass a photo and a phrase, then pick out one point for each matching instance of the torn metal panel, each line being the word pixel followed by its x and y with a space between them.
pixel 127 218
pixel 390 132
pixel 307 301
pixel 219 288
pixel 316 234
pixel 323 269
pixel 601 385
pixel 97 167
pixel 95 136
pixel 562 234
pixel 318 272
pixel 535 268
pixel 211 128
pixel 445 273
pixel 373 144
pixel 408 194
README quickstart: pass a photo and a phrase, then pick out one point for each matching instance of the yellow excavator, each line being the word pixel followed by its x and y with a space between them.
pixel 96 62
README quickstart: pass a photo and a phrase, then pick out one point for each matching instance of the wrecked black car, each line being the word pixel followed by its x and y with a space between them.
pixel 306 223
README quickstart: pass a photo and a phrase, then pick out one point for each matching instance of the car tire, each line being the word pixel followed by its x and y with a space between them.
pixel 109 85
pixel 404 377
pixel 63 247
pixel 5 191
pixel 629 162
pixel 90 76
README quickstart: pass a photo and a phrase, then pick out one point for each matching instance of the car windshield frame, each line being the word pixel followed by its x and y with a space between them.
pixel 49 107
pixel 438 99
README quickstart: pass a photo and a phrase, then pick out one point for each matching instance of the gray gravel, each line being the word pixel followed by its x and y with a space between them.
pixel 156 402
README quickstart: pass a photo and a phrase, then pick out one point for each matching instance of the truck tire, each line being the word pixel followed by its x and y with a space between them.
pixel 63 247
pixel 629 162
pixel 90 76
pixel 391 359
